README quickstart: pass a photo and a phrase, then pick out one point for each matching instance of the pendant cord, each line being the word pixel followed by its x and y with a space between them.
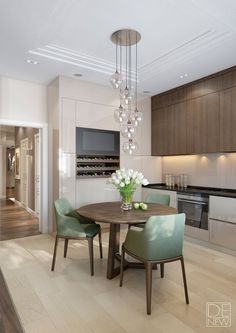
pixel 120 67
pixel 126 61
pixel 129 64
pixel 116 53
pixel 120 60
pixel 136 74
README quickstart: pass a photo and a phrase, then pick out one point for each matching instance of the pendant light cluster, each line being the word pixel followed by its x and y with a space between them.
pixel 125 79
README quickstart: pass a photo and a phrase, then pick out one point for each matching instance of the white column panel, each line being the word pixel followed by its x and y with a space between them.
pixel 95 115
pixel 68 125
pixel 1 173
pixel 68 176
pixel 94 190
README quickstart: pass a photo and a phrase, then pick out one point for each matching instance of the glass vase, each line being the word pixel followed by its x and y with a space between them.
pixel 127 198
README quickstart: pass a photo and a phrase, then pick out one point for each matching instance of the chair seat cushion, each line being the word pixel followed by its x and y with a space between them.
pixel 82 219
pixel 73 229
pixel 91 229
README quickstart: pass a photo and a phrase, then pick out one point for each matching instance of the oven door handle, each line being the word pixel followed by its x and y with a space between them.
pixel 193 202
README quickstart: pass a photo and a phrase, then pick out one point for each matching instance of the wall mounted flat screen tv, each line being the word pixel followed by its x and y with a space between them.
pixel 90 141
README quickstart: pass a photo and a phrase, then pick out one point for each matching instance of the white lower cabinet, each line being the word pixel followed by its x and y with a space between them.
pixel 172 194
pixel 222 221
pixel 197 233
pixel 223 233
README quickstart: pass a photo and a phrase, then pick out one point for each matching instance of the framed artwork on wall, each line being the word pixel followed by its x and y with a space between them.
pixel 17 163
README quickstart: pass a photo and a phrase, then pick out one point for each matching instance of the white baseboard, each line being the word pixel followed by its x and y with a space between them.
pixel 29 210
pixel 210 245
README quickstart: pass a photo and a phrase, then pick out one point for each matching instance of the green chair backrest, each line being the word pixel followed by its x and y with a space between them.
pixel 163 199
pixel 160 239
pixel 62 207
pixel 164 236
pixel 67 225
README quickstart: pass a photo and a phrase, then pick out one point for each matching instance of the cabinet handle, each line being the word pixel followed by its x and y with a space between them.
pixel 222 221
pixel 193 202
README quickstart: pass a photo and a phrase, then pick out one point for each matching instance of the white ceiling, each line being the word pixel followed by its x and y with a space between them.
pixel 197 37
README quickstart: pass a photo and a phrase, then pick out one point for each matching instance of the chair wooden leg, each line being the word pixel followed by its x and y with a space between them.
pixel 100 243
pixel 148 286
pixel 66 247
pixel 90 244
pixel 184 280
pixel 162 270
pixel 122 266
pixel 54 253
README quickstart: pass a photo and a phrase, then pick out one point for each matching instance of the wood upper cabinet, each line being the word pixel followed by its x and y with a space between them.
pixel 228 120
pixel 179 128
pixel 169 130
pixel 197 118
pixel 159 131
pixel 203 128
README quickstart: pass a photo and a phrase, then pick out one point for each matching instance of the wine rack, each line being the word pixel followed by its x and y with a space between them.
pixel 96 166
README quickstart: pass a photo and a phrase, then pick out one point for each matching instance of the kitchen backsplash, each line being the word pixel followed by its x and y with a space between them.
pixel 213 170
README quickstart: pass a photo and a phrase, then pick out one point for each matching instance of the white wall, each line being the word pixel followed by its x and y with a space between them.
pixel 3 144
pixel 90 105
pixel 213 170
pixel 2 187
pixel 22 101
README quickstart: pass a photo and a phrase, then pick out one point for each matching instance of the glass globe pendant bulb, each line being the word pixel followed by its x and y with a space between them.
pixel 126 96
pixel 116 80
pixel 120 114
pixel 137 117
pixel 128 130
pixel 130 147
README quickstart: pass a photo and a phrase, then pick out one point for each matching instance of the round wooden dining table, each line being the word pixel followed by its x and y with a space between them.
pixel 111 212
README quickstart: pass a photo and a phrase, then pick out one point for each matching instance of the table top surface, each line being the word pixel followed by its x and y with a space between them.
pixel 111 212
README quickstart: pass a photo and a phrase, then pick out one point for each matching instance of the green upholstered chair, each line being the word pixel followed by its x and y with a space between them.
pixel 159 242
pixel 71 225
pixel 162 199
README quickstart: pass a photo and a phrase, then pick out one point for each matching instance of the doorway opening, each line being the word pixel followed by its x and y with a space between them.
pixel 20 181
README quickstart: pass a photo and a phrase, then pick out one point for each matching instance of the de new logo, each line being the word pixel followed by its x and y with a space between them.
pixel 218 314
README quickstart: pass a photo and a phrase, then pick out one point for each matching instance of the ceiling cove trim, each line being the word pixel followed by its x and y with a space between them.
pixel 72 57
pixel 184 52
pixel 76 59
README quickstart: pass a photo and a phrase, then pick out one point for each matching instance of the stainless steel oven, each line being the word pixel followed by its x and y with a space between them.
pixel 196 207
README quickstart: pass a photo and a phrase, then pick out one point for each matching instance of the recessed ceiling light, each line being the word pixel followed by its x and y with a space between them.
pixel 146 91
pixel 183 75
pixel 31 61
pixel 78 74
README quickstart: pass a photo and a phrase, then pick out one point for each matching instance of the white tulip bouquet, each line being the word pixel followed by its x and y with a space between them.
pixel 126 181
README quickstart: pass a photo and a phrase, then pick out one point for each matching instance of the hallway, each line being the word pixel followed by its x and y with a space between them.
pixel 16 222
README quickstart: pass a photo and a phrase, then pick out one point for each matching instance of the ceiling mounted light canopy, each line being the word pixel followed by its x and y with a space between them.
pixel 125 78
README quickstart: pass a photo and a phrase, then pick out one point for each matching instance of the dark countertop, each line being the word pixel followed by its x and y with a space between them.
pixel 221 192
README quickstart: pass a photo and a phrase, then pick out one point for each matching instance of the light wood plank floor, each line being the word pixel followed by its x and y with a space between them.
pixel 69 300
pixel 15 221
pixel 9 322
